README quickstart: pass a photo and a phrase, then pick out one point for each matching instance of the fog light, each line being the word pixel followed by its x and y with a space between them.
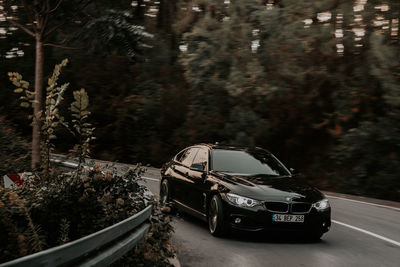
pixel 323 224
pixel 238 220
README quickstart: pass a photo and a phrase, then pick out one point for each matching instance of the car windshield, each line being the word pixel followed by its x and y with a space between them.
pixel 243 162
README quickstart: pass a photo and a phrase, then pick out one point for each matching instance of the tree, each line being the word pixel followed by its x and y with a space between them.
pixel 52 23
pixel 371 148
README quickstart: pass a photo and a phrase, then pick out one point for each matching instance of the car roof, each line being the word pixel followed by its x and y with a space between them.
pixel 228 147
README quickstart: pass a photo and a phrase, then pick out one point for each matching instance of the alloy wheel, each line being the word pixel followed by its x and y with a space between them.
pixel 213 215
pixel 164 193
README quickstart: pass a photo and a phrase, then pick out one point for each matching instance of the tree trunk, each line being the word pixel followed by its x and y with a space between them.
pixel 39 100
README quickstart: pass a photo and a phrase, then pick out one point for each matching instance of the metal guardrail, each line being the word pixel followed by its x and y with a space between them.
pixel 108 245
pixel 98 249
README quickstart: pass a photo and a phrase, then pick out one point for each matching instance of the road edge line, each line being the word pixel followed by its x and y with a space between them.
pixel 151 179
pixel 368 233
pixel 363 202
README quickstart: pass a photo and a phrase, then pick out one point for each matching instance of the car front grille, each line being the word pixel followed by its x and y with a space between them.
pixel 281 207
pixel 300 207
pixel 284 207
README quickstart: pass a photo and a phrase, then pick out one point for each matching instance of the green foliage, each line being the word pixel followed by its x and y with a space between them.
pixel 244 126
pixel 15 151
pixel 83 130
pixel 51 117
pixel 78 208
pixel 370 150
pixel 371 153
pixel 20 236
pixel 113 31
pixel 64 231
pixel 158 248
pixel 28 97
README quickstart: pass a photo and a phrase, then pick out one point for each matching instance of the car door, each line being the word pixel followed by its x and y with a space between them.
pixel 173 175
pixel 181 178
pixel 197 174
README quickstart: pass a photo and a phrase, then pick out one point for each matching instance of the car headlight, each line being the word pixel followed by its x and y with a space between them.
pixel 242 201
pixel 321 205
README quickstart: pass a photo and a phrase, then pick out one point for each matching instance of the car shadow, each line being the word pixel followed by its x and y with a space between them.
pixel 278 237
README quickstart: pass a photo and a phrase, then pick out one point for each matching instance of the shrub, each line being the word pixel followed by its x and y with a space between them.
pixel 14 153
pixel 53 207
pixel 45 214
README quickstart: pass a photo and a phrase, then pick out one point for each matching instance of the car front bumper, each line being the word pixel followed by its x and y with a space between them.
pixel 258 219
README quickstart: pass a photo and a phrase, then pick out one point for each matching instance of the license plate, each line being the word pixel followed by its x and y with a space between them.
pixel 287 218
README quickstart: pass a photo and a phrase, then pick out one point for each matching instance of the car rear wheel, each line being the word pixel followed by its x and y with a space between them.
pixel 216 224
pixel 164 196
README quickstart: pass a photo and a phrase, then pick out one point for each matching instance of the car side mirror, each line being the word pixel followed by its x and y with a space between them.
pixel 294 172
pixel 197 167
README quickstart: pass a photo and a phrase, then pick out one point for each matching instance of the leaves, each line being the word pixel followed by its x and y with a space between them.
pixel 25 105
pixel 51 117
pixel 82 128
pixel 64 231
pixel 112 31
pixel 105 197
pixel 81 102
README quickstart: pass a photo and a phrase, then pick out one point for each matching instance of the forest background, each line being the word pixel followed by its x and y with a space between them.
pixel 315 82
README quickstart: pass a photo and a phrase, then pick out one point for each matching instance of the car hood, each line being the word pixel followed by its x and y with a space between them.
pixel 264 187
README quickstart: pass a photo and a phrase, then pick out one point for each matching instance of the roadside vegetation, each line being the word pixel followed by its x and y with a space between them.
pixel 46 213
pixel 15 151
pixel 55 206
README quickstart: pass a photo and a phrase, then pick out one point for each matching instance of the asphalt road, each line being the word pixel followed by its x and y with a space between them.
pixel 362 234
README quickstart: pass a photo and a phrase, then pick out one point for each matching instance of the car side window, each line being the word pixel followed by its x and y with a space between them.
pixel 188 157
pixel 200 162
pixel 181 155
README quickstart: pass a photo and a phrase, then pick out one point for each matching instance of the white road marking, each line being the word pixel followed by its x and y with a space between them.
pixel 368 233
pixel 358 201
pixel 152 179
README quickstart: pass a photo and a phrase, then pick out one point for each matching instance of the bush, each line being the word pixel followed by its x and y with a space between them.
pixel 45 214
pixel 15 152
pixel 369 161
pixel 157 248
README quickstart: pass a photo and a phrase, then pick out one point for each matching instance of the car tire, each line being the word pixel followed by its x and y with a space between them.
pixel 216 224
pixel 165 197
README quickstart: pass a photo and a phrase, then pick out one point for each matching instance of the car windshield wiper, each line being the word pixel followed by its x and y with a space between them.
pixel 271 175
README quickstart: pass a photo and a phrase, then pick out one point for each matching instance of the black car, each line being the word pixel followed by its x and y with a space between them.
pixel 242 188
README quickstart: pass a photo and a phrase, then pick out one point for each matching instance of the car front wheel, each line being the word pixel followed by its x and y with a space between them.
pixel 215 217
pixel 164 192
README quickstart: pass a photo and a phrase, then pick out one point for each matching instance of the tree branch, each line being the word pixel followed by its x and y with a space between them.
pixel 16 24
pixel 55 8
pixel 62 46
pixel 79 7
pixel 44 24
pixel 28 12
pixel 54 29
